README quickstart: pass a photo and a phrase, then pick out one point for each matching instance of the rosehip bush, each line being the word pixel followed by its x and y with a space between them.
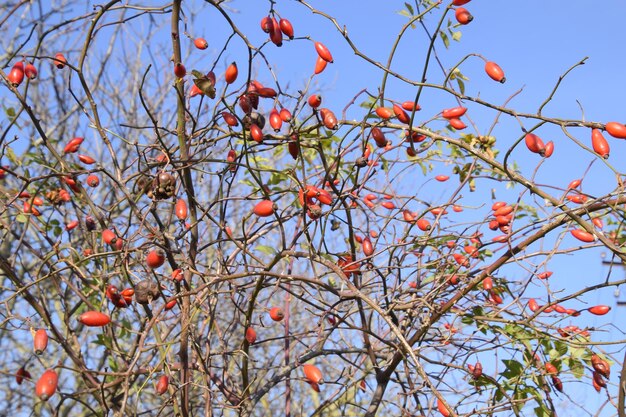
pixel 200 223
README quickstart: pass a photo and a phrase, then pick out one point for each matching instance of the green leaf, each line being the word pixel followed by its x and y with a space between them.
pixel 313 134
pixel 456 36
pixel 276 178
pixel 519 397
pixel 424 168
pixel 369 103
pixel 542 411
pixel 279 151
pixel 444 38
pixel 561 348
pixel 385 164
pixel 113 364
pixel 268 250
pixel 468 318
pixel 12 157
pixel 513 368
pixel 456 73
pixel 535 392
pixel 246 181
pixel 478 311
pixel 428 279
pixel 461 84
pixel 576 352
pixel 103 340
pixel 472 185
pixel 123 333
pixel 553 354
pixel 204 83
pixel 409 8
pixel 498 396
pixel 577 368
pixel 21 218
